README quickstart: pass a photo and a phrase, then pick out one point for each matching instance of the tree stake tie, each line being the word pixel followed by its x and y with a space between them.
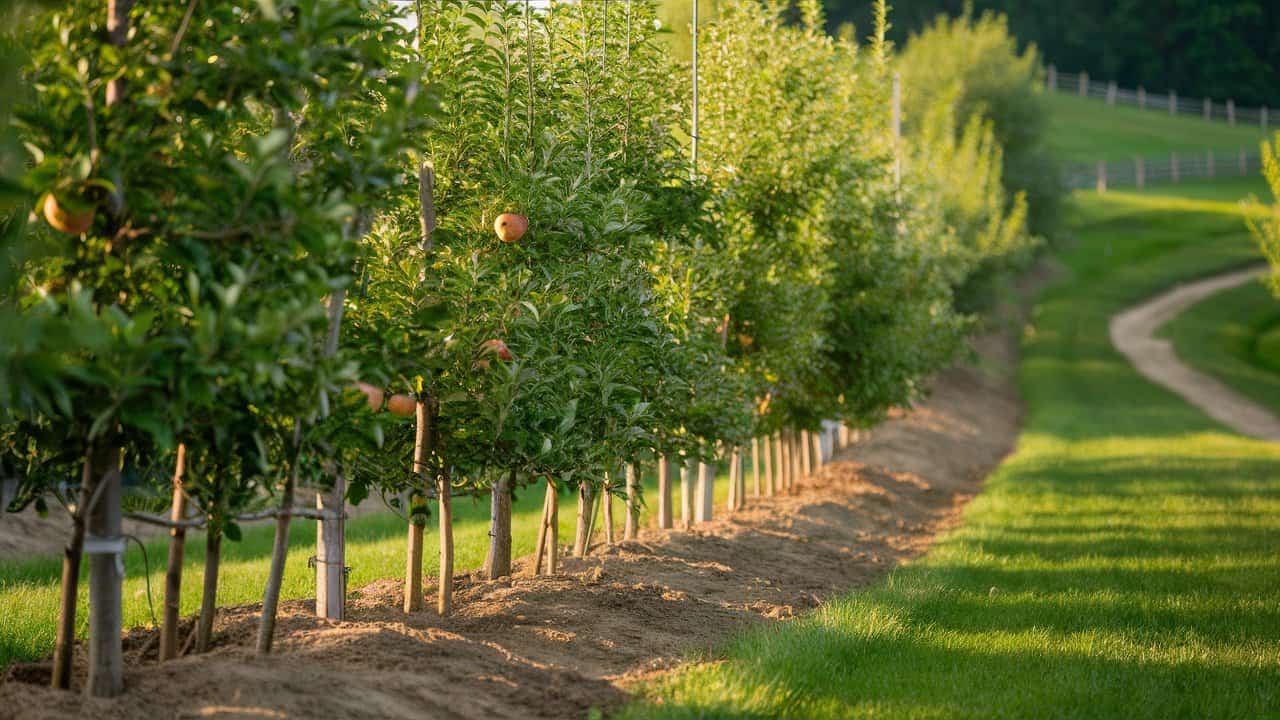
pixel 94 545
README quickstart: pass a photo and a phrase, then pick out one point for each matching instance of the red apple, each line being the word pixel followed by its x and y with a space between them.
pixel 510 226
pixel 497 347
pixel 402 405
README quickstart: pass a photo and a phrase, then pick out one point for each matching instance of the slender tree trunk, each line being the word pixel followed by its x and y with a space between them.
pixel 633 502
pixel 331 551
pixel 417 506
pixel 788 468
pixel 705 492
pixel 64 646
pixel 732 503
pixel 664 493
pixel 687 472
pixel 766 446
pixel 585 506
pixel 209 600
pixel 553 529
pixel 606 504
pixel 279 551
pixel 540 549
pixel 173 571
pixel 444 491
pixel 106 573
pixel 755 466
pixel 498 563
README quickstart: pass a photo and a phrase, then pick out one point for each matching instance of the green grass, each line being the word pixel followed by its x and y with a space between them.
pixel 1235 337
pixel 1083 130
pixel 375 550
pixel 1124 562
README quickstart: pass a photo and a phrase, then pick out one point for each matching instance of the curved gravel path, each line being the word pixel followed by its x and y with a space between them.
pixel 1133 334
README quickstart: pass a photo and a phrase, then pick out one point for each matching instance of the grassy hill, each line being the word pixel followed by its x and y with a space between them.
pixel 1083 130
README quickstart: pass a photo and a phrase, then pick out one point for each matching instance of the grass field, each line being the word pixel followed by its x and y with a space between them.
pixel 375 550
pixel 1123 563
pixel 1083 130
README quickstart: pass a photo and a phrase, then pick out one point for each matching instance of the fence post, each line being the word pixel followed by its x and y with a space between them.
pixel 1052 81
pixel 1263 119
pixel 1102 176
pixel 1142 98
pixel 1173 102
pixel 1209 158
pixel 1112 91
pixel 1140 172
pixel 1084 84
pixel 1231 112
pixel 1173 168
pixel 1208 109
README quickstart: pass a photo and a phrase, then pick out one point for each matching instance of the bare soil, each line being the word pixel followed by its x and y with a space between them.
pixel 556 647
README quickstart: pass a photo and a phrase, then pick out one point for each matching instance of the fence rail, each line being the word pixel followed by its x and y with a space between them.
pixel 1169 102
pixel 1172 168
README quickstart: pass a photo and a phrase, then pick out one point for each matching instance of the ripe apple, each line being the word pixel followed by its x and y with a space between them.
pixel 64 220
pixel 497 347
pixel 402 405
pixel 510 226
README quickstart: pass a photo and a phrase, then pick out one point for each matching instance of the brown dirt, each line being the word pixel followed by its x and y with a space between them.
pixel 554 647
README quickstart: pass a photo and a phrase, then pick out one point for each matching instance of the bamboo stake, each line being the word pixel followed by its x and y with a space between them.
pixel 173 571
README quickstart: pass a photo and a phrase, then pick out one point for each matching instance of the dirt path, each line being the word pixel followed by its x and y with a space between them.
pixel 1133 333
pixel 556 647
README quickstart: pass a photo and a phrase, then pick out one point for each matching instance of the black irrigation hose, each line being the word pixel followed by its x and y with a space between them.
pixel 147 564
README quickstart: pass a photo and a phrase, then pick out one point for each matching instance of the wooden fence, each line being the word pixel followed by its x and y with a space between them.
pixel 1169 102
pixel 1172 168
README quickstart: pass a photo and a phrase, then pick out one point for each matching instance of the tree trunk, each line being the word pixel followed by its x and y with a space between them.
pixel 755 466
pixel 806 453
pixel 633 503
pixel 732 503
pixel 686 492
pixel 209 600
pixel 417 520
pixel 498 562
pixel 788 469
pixel 704 494
pixel 64 646
pixel 173 571
pixel 444 491
pixel 279 553
pixel 581 538
pixel 540 549
pixel 553 529
pixel 664 493
pixel 106 573
pixel 606 504
pixel 331 561
pixel 766 446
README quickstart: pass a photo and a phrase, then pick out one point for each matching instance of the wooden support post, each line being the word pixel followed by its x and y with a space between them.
pixel 1173 102
pixel 498 562
pixel 1112 91
pixel 1208 109
pixel 755 466
pixel 553 529
pixel 1052 79
pixel 664 493
pixel 1142 98
pixel 1231 112
pixel 1084 84
pixel 173 570
pixel 631 525
pixel 444 494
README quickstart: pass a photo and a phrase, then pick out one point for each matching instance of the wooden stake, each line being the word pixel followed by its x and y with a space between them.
pixel 553 549
pixel 539 549
pixel 173 571
pixel 664 493
pixel 498 563
pixel 629 529
pixel 444 492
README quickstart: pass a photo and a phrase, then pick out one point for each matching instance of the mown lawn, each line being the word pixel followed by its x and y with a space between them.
pixel 375 550
pixel 1235 337
pixel 1124 562
pixel 1083 130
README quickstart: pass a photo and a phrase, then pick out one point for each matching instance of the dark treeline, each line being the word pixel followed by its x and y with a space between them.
pixel 1214 48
